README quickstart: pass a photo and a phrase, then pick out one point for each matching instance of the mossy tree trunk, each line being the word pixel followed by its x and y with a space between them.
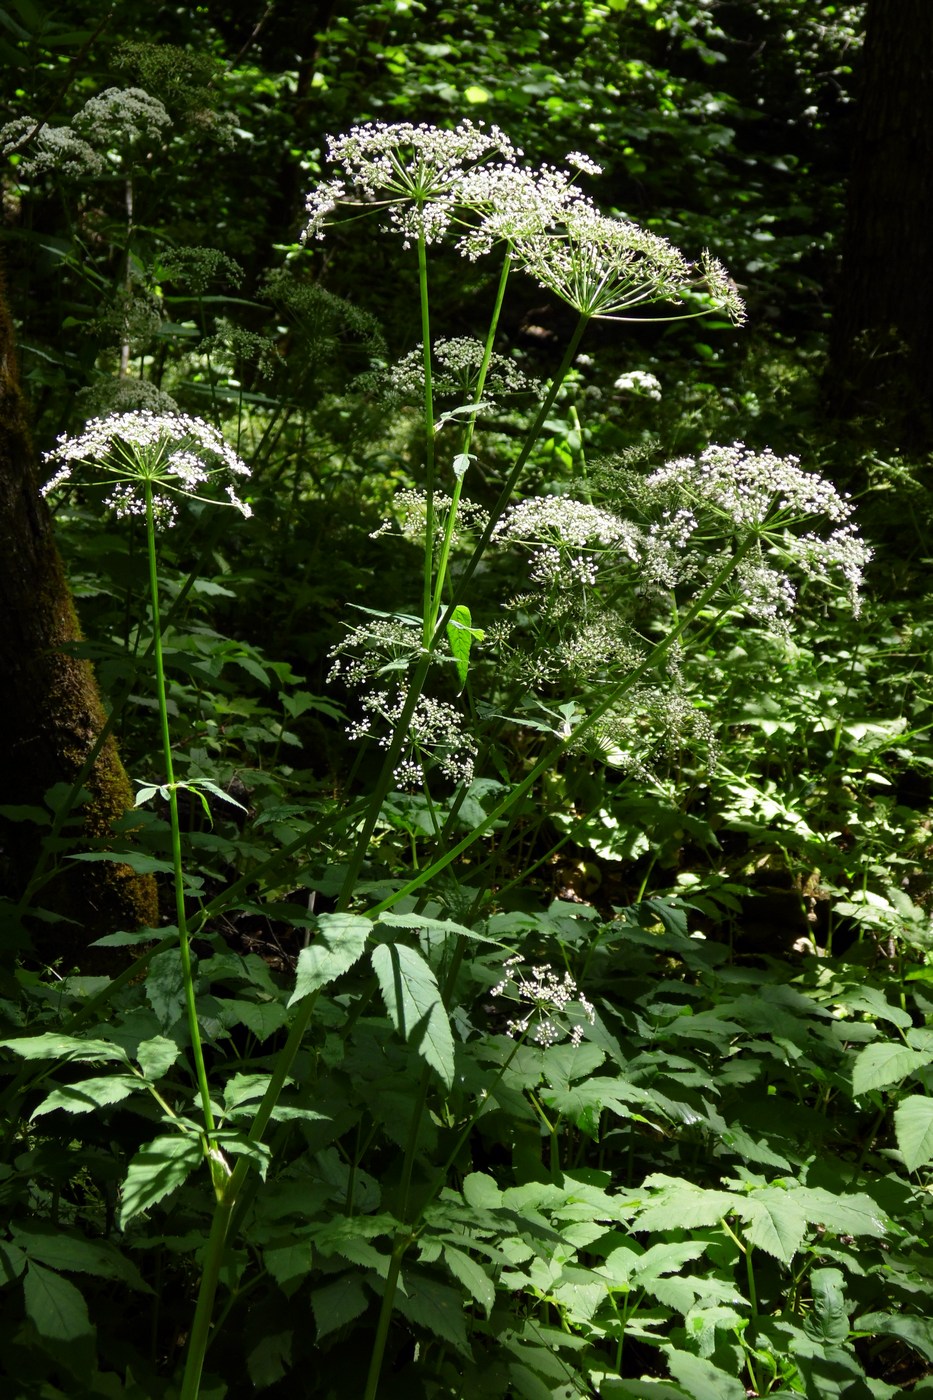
pixel 51 711
pixel 882 338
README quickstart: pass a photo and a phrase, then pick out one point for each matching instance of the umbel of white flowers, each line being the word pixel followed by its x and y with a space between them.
pixel 162 456
pixel 429 181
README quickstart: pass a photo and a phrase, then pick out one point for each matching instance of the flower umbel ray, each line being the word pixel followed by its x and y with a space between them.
pixel 168 455
pixel 604 267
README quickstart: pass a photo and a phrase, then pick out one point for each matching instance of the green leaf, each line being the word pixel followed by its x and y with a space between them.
pixel 138 863
pixel 435 1307
pixel 262 1018
pixel 88 1095
pixel 413 1001
pixel 165 986
pixel 681 1206
pixel 701 1379
pixel 270 1359
pixel 829 1321
pixel 917 1332
pixel 339 943
pixel 460 635
pixel 472 1275
pixel 913 1128
pixel 156 1056
pixel 48 1244
pixel 157 1169
pixel 855 1214
pixel 888 1063
pixel 63 1047
pixel 773 1222
pixel 54 1306
pixel 338 1303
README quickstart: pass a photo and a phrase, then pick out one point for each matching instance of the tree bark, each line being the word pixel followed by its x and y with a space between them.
pixel 52 711
pixel 882 338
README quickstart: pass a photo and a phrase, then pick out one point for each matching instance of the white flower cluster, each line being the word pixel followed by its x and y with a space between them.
pixel 114 122
pixel 547 1002
pixel 767 494
pixel 414 172
pixel 636 381
pixel 375 648
pixel 429 179
pixel 119 118
pixel 48 149
pixel 167 455
pixel 511 202
pixel 410 511
pixel 458 362
pixel 569 538
pixel 436 737
pixel 605 267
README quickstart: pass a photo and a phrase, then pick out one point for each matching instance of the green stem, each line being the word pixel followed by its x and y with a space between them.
pixel 428 436
pixel 466 445
pixel 178 871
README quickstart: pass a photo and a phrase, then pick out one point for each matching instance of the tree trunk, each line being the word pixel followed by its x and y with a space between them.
pixel 882 340
pixel 52 711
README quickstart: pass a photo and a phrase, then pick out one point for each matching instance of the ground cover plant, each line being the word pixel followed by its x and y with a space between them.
pixel 538 1006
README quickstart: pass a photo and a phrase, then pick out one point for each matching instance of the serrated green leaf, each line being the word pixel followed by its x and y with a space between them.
pixel 773 1222
pixel 481 1192
pixel 63 1047
pixel 165 986
pixel 701 1379
pixel 913 1128
pixel 888 1063
pixel 472 1275
pixel 413 1001
pixel 49 1245
pixel 137 862
pixel 156 1056
pixel 88 1095
pixel 340 942
pixel 270 1359
pixel 337 1304
pixel 855 1214
pixel 437 1308
pixel 261 1018
pixel 157 1169
pixel 12 1262
pixel 682 1206
pixel 54 1306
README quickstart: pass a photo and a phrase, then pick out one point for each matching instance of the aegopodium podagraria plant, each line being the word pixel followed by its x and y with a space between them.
pixel 151 462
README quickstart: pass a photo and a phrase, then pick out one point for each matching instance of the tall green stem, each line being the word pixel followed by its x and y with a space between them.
pixel 177 868
pixel 466 445
pixel 428 435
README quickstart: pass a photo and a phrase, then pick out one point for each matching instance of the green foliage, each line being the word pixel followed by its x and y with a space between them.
pixel 580 1049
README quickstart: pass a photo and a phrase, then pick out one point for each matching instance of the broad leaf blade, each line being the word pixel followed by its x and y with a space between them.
pixel 339 943
pixel 913 1128
pixel 413 1001
pixel 889 1063
pixel 157 1169
pixel 54 1306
